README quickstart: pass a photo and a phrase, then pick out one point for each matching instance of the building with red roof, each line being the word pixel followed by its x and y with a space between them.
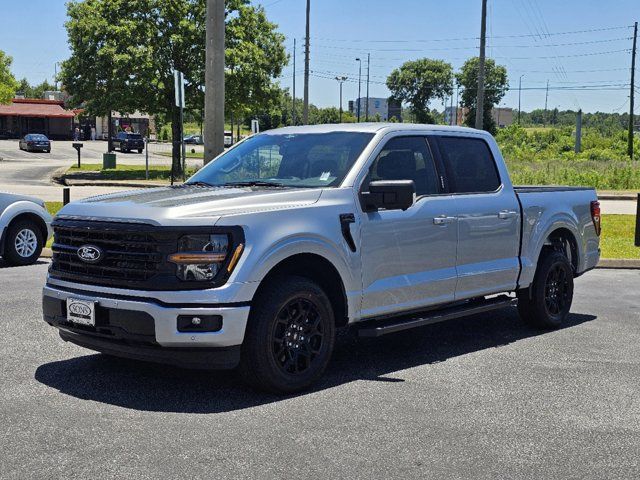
pixel 33 115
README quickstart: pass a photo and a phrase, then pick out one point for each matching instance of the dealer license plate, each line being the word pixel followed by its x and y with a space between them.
pixel 81 311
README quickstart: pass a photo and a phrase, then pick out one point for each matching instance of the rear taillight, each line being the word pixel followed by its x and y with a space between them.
pixel 595 216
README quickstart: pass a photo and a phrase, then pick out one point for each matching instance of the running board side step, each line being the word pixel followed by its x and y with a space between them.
pixel 405 322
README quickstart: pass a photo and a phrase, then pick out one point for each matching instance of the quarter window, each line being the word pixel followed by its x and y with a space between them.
pixel 470 164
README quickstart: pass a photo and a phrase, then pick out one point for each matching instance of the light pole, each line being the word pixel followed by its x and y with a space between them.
pixel 519 94
pixel 359 83
pixel 341 81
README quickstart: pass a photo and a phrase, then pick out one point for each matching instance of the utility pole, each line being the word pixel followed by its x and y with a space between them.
pixel 305 111
pixel 483 41
pixel 631 94
pixel 546 97
pixel 341 81
pixel 519 96
pixel 293 101
pixel 214 81
pixel 359 83
pixel 366 108
pixel 578 145
pixel 451 111
pixel 457 102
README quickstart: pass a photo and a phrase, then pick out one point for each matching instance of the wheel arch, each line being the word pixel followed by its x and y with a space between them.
pixel 17 212
pixel 564 240
pixel 318 269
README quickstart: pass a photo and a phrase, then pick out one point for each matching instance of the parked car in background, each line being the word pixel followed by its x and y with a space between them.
pixel 25 227
pixel 193 140
pixel 35 142
pixel 228 138
pixel 294 233
pixel 127 142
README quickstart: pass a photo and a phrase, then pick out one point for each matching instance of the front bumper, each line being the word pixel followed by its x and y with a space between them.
pixel 146 327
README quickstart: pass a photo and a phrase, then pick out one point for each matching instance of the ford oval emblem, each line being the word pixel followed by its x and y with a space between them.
pixel 90 253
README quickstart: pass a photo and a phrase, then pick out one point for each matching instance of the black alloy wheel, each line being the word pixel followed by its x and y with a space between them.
pixel 547 302
pixel 297 335
pixel 556 290
pixel 289 337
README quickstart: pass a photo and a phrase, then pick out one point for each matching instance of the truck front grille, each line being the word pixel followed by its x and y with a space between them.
pixel 131 254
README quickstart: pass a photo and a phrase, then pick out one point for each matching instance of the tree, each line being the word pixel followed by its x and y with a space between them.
pixel 124 52
pixel 420 81
pixel 8 82
pixel 495 87
pixel 29 91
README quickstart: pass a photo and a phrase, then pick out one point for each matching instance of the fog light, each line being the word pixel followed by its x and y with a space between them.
pixel 199 323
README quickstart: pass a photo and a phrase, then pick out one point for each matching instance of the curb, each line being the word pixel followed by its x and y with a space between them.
pixel 109 183
pixel 617 263
pixel 617 197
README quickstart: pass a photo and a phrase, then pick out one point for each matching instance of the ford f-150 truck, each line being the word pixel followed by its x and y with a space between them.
pixel 260 257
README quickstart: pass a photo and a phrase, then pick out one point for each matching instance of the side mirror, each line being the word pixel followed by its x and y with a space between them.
pixel 389 195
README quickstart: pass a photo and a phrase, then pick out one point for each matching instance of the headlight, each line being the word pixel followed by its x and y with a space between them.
pixel 201 257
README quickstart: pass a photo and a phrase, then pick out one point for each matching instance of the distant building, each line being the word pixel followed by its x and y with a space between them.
pixel 383 107
pixel 503 116
pixel 35 115
pixel 55 95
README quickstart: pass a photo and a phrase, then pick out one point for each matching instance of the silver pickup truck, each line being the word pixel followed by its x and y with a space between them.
pixel 262 255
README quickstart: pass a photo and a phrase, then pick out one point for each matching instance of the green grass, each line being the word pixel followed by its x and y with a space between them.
pixel 546 156
pixel 618 233
pixel 188 154
pixel 126 172
pixel 53 207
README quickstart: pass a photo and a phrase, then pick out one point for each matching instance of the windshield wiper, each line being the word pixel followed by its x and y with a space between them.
pixel 253 183
pixel 200 183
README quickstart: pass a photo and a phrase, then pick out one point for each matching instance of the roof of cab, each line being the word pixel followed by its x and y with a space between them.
pixel 370 127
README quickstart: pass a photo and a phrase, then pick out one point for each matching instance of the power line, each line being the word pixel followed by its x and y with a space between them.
pixel 361 40
pixel 444 49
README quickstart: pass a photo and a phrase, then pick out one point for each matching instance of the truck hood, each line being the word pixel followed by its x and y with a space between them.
pixel 182 204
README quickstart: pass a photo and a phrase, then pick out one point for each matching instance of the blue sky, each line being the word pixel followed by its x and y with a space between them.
pixel 529 37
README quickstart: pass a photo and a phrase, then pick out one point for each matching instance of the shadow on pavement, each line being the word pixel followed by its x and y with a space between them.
pixel 151 387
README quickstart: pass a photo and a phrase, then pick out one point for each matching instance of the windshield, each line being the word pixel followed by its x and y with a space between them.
pixel 308 160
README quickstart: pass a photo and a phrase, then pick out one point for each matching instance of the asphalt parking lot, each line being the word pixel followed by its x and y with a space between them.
pixel 484 397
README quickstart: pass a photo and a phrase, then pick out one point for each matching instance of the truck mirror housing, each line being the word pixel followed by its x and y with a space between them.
pixel 388 195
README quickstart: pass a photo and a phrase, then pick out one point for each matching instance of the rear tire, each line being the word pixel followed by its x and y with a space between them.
pixel 547 303
pixel 23 244
pixel 290 336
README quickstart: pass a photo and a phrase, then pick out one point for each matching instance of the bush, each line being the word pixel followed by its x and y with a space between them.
pixel 545 156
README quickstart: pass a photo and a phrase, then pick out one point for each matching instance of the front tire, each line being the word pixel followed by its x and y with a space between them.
pixel 547 303
pixel 23 244
pixel 290 336
pixel 139 150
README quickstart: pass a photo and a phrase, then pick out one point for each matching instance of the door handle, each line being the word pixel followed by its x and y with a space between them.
pixel 507 214
pixel 443 220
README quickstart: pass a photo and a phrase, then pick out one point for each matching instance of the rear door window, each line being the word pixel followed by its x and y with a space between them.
pixel 470 165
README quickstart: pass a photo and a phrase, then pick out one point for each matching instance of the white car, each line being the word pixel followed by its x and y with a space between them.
pixel 25 227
